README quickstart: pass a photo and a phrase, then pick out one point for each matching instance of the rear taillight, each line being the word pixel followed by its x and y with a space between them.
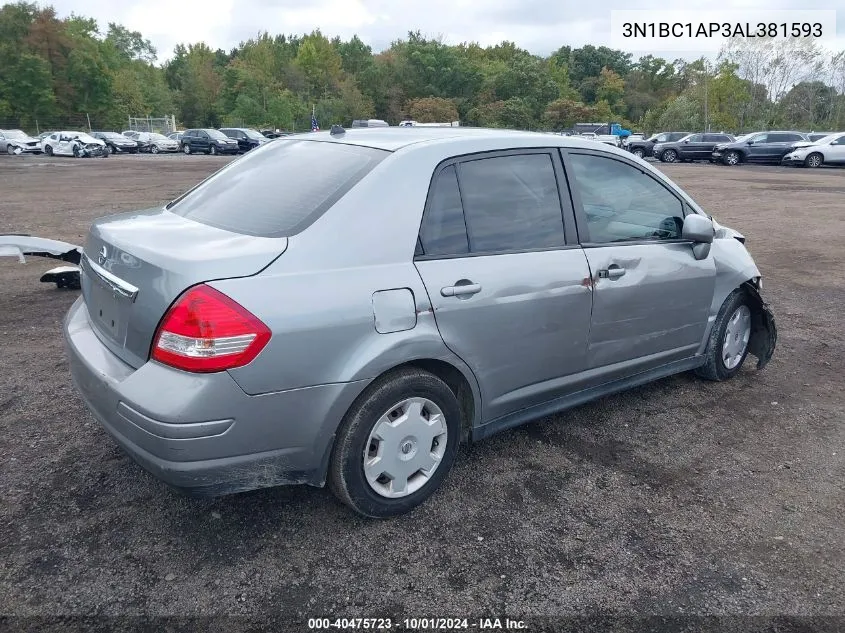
pixel 206 331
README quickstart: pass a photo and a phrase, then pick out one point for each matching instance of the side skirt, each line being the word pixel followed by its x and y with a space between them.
pixel 568 401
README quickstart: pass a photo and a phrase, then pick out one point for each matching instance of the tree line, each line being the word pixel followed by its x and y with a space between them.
pixel 56 70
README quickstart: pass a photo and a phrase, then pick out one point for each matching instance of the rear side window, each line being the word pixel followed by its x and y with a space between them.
pixel 511 203
pixel 443 231
pixel 279 189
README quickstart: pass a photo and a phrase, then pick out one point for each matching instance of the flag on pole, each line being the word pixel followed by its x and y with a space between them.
pixel 314 126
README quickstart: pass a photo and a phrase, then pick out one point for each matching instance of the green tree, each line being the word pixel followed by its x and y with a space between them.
pixel 432 110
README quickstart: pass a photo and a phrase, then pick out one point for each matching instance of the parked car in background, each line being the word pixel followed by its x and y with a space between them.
pixel 759 147
pixel 153 142
pixel 817 136
pixel 78 144
pixel 238 338
pixel 644 148
pixel 18 142
pixel 370 123
pixel 208 141
pixel 691 147
pixel 830 150
pixel 143 146
pixel 633 137
pixel 607 139
pixel 117 143
pixel 176 136
pixel 247 138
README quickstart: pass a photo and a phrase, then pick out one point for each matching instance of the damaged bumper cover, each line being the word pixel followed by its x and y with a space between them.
pixel 21 245
pixel 764 332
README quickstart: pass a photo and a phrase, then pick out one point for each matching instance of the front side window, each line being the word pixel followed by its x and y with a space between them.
pixel 288 185
pixel 622 204
pixel 693 138
pixel 511 203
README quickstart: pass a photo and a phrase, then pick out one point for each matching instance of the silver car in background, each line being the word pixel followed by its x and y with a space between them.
pixel 18 142
pixel 348 307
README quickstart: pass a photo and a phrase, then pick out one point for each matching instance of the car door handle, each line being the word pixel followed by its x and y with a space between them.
pixel 612 272
pixel 462 290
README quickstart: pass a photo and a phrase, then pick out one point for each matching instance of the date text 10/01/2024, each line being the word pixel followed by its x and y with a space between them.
pixel 416 624
pixel 721 29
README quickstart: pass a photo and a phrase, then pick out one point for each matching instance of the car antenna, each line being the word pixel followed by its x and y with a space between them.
pixel 337 130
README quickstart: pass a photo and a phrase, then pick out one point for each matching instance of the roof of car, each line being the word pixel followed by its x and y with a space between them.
pixel 394 138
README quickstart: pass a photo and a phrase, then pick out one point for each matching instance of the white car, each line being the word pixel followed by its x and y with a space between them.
pixel 153 142
pixel 18 142
pixel 77 144
pixel 829 150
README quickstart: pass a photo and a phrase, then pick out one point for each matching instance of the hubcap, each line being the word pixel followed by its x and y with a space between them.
pixel 737 334
pixel 638 153
pixel 669 156
pixel 815 161
pixel 405 447
pixel 731 158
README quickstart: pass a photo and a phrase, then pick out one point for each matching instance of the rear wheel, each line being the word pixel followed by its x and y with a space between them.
pixel 396 444
pixel 731 158
pixel 669 156
pixel 814 160
pixel 727 346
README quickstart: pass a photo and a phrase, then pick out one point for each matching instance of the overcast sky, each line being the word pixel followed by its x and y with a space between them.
pixel 540 26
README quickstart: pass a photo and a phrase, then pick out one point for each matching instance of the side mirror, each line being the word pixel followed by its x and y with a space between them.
pixel 686 140
pixel 699 230
pixel 750 142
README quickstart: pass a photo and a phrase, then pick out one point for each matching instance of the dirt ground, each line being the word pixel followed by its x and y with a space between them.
pixel 680 498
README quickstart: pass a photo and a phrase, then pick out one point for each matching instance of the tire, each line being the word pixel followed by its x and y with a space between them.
pixel 638 152
pixel 669 156
pixel 716 367
pixel 375 408
pixel 154 149
pixel 110 149
pixel 213 150
pixel 10 150
pixel 186 148
pixel 76 151
pixel 731 158
pixel 48 149
pixel 814 160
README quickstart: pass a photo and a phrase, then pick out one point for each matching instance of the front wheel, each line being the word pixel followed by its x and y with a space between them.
pixel 213 150
pixel 48 149
pixel 396 444
pixel 186 148
pixel 154 149
pixel 814 160
pixel 731 158
pixel 727 346
pixel 669 156
pixel 638 152
pixel 10 150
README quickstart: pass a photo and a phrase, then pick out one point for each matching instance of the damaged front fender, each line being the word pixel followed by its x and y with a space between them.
pixel 764 333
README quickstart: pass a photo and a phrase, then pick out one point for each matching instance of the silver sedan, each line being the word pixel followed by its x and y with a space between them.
pixel 347 307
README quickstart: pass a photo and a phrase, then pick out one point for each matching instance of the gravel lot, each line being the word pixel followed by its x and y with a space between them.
pixel 679 498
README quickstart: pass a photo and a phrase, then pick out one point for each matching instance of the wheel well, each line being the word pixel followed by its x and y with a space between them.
pixel 457 382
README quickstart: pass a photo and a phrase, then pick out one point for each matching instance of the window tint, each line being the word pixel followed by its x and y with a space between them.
pixel 511 203
pixel 695 138
pixel 662 138
pixel 622 203
pixel 760 138
pixel 839 141
pixel 286 186
pixel 677 136
pixel 443 231
pixel 714 138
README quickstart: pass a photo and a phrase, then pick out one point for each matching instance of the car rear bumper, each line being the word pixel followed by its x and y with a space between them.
pixel 201 433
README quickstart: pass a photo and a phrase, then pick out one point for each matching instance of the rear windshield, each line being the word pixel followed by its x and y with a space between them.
pixel 279 188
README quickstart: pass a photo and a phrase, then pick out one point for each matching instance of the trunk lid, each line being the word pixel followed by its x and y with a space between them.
pixel 136 264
